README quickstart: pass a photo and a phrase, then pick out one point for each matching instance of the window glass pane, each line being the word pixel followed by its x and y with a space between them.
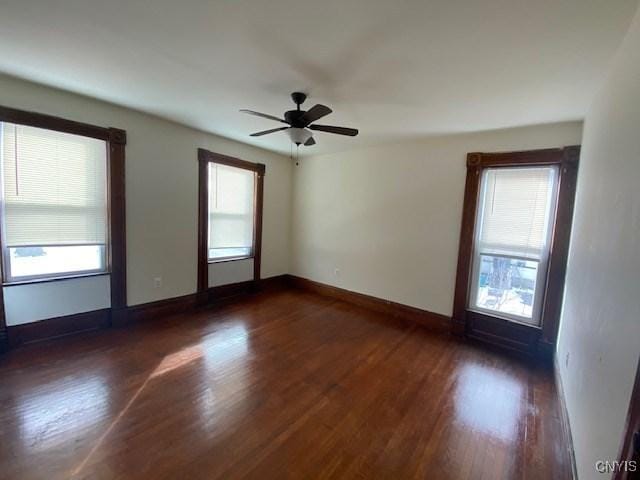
pixel 36 261
pixel 507 285
pixel 229 252
pixel 231 211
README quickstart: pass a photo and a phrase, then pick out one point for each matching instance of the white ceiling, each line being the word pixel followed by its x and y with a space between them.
pixel 394 69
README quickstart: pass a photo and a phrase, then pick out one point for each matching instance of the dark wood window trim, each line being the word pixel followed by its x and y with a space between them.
pixel 61 278
pixel 204 158
pixel 532 341
pixel 116 246
pixel 231 259
pixel 4 334
pixel 630 446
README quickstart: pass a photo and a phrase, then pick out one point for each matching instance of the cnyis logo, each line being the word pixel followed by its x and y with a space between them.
pixel 616 466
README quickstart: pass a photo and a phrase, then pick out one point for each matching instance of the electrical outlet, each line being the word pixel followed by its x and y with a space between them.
pixel 157 282
pixel 336 272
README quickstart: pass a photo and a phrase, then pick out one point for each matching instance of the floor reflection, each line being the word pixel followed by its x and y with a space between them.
pixel 226 376
pixel 225 346
pixel 169 363
pixel 313 389
pixel 178 359
pixel 488 401
pixel 69 405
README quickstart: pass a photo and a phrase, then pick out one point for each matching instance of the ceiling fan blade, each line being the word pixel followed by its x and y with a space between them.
pixel 352 132
pixel 265 132
pixel 315 113
pixel 263 115
pixel 310 142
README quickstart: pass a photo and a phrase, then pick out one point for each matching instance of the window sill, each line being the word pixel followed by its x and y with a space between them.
pixel 505 316
pixel 52 279
pixel 230 259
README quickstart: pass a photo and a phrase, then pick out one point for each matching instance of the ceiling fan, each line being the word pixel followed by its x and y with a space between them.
pixel 300 122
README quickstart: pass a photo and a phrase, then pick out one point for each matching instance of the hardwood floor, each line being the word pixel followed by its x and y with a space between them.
pixel 277 385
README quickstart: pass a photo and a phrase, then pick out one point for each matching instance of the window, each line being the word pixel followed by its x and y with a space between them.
pixel 515 214
pixel 54 213
pixel 230 198
pixel 231 212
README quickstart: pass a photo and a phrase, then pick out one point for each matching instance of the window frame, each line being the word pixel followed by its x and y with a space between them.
pixel 7 276
pixel 543 263
pixel 532 340
pixel 205 157
pixel 115 247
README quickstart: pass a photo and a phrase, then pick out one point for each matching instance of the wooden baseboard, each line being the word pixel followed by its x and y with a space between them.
pixel 458 327
pixel 545 353
pixel 4 340
pixel 46 329
pixel 62 326
pixel 231 290
pixel 171 306
pixel 58 327
pixel 522 341
pixel 279 282
pixel 100 319
pixel 119 316
pixel 431 320
pixel 160 308
pixel 564 418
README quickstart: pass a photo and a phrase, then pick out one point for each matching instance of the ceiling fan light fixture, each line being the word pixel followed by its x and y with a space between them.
pixel 299 135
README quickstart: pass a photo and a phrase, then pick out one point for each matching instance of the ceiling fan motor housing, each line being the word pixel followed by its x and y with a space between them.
pixel 294 118
pixel 298 98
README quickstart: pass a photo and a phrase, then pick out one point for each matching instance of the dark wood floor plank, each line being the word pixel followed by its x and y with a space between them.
pixel 282 384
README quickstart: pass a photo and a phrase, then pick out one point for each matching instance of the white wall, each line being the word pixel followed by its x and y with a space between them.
pixel 599 340
pixel 33 302
pixel 162 189
pixel 389 217
pixel 224 273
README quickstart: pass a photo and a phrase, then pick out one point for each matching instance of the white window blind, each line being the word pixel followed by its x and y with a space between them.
pixel 54 187
pixel 231 207
pixel 516 206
